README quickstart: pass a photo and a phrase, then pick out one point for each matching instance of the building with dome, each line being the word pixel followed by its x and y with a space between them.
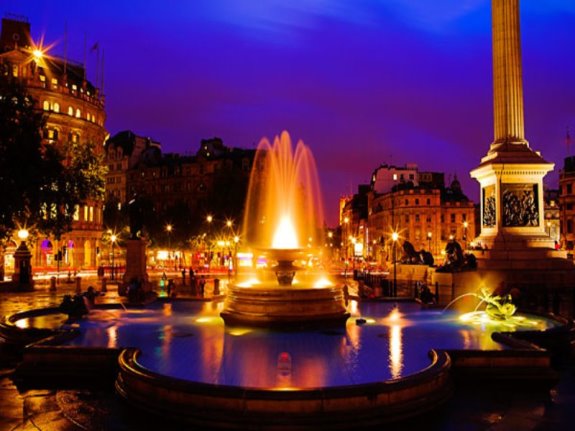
pixel 415 204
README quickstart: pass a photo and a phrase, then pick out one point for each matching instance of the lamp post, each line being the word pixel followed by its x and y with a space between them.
pixel 169 228
pixel 113 238
pixel 236 242
pixel 549 228
pixel 22 268
pixel 465 224
pixel 395 237
pixel 209 219
pixel 429 241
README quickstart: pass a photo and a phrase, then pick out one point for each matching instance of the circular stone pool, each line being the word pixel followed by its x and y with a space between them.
pixel 178 359
pixel 189 341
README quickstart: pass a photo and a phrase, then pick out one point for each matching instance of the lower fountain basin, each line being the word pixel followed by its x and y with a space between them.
pixel 285 306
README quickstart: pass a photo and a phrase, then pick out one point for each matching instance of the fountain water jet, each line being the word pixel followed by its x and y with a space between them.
pixel 282 221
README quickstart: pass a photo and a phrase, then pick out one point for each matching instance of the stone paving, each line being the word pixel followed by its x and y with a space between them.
pixel 59 409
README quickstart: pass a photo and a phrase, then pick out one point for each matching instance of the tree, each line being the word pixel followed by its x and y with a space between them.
pixel 22 162
pixel 75 174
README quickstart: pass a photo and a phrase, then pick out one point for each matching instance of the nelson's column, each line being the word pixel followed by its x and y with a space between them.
pixel 518 250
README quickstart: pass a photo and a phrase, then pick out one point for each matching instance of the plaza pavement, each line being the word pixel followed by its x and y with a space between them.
pixel 59 409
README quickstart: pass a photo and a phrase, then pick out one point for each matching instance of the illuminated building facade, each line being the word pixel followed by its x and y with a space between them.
pixel 567 202
pixel 418 207
pixel 74 110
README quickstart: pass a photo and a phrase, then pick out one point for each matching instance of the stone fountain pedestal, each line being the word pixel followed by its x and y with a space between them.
pixel 279 306
pixel 285 304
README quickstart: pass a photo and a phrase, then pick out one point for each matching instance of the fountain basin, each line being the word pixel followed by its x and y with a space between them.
pixel 285 307
pixel 192 367
pixel 227 407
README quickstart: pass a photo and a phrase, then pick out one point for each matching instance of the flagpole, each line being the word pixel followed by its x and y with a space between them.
pixel 85 48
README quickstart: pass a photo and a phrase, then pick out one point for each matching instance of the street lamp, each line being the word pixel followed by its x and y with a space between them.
pixel 465 224
pixel 236 242
pixel 209 219
pixel 113 239
pixel 169 229
pixel 429 241
pixel 395 237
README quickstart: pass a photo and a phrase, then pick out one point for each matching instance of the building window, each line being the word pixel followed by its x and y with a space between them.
pixel 452 218
pixel 394 177
pixel 56 107
pixel 416 201
pixel 54 83
pixel 85 213
pixel 46 105
pixel 569 189
pixel 407 202
pixel 70 111
pixel 464 217
pixel 417 218
pixel 15 71
pixel 78 113
pixel 91 213
pixel 76 213
pixel 569 226
pixel 428 201
pixel 407 218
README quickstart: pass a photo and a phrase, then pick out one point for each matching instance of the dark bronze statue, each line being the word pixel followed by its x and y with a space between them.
pixel 136 216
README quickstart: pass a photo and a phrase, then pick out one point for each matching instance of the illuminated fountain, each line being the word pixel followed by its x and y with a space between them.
pixel 389 362
pixel 282 224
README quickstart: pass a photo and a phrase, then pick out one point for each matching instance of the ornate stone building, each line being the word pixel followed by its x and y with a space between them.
pixel 74 109
pixel 182 190
pixel 427 215
pixel 567 202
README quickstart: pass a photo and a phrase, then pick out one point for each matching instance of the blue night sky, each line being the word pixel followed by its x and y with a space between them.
pixel 362 82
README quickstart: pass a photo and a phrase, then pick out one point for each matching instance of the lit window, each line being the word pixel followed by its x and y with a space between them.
pixel 91 213
pixel 54 82
pixel 46 105
pixel 85 213
pixel 15 71
pixel 394 177
pixel 70 111
pixel 56 107
pixel 42 78
pixel 78 113
pixel 76 213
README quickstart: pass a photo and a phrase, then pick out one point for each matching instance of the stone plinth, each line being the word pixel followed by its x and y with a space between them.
pixel 136 263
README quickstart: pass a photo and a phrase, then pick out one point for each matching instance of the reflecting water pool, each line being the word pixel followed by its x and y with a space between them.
pixel 188 340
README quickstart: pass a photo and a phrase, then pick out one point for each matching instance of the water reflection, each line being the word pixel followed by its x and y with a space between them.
pixel 189 341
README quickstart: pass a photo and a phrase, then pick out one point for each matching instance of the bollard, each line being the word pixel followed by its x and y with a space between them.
pixel 78 285
pixel 52 284
pixel 104 286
